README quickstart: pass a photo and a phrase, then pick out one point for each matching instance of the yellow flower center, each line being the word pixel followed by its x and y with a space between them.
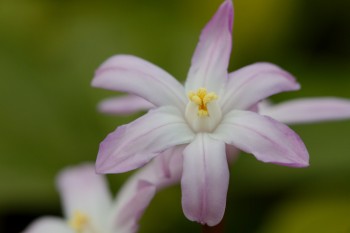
pixel 202 98
pixel 80 223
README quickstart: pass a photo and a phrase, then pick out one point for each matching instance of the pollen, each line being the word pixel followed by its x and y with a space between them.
pixel 79 222
pixel 202 98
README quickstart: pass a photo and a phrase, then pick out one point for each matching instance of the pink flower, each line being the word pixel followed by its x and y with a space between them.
pixel 198 121
pixel 88 205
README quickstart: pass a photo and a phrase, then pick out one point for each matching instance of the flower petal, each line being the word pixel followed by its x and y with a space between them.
pixel 205 180
pixel 308 110
pixel 232 153
pixel 134 75
pixel 134 144
pixel 267 139
pixel 83 191
pixel 211 58
pixel 140 188
pixel 132 207
pixel 255 82
pixel 124 105
pixel 168 167
pixel 48 224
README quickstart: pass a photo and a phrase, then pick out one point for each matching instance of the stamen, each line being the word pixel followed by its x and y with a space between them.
pixel 202 98
pixel 80 223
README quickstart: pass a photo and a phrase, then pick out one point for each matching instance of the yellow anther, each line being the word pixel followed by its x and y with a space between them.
pixel 202 98
pixel 209 97
pixel 79 221
pixel 191 94
pixel 196 99
pixel 202 92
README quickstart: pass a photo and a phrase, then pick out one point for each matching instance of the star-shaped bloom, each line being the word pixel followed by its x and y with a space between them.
pixel 197 121
pixel 88 205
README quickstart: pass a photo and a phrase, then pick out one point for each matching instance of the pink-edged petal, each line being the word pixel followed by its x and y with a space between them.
pixel 267 139
pixel 83 191
pixel 205 180
pixel 131 210
pixel 232 153
pixel 165 169
pixel 168 167
pixel 48 225
pixel 124 105
pixel 211 58
pixel 308 110
pixel 139 189
pixel 133 145
pixel 134 75
pixel 250 84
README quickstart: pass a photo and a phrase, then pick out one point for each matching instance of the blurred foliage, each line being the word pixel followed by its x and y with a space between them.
pixel 49 50
pixel 316 213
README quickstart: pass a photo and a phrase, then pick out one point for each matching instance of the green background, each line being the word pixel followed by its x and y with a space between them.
pixel 49 50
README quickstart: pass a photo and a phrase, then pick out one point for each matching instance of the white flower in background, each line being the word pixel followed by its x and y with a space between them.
pixel 88 206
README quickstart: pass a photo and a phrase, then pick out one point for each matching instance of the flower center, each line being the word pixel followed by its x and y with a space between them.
pixel 202 112
pixel 202 98
pixel 81 223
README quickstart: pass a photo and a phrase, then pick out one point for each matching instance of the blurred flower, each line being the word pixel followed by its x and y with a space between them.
pixel 219 110
pixel 88 205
